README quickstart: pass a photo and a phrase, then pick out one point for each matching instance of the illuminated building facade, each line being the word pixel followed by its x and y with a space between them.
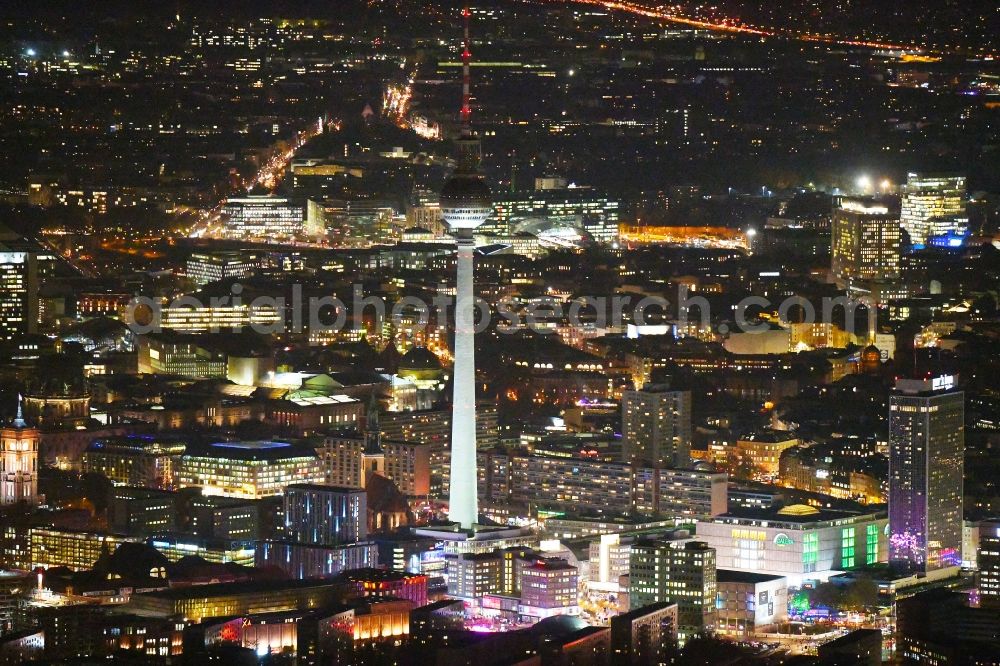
pixel 248 469
pixel 341 458
pixel 408 464
pixel 222 599
pixel 748 603
pixel 764 449
pixel 18 293
pixel 179 355
pixel 677 571
pixel 75 549
pixel 19 461
pixel 549 587
pixel 927 197
pixel 539 210
pixel 264 217
pixel 988 562
pixel 328 515
pixel 865 241
pixel 926 473
pixel 303 560
pixel 433 427
pixel 14 588
pixel 797 541
pixel 473 575
pixel 204 267
pixel 581 485
pixel 375 584
pixel 308 414
pixel 645 635
pixel 141 511
pixel 142 461
pixel 212 318
pixel 220 551
pixel 656 427
pixel 62 407
pixel 466 202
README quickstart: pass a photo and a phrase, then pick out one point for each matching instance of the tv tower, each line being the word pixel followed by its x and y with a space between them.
pixel 465 204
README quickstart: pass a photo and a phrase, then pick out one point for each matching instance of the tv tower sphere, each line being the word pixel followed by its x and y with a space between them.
pixel 465 200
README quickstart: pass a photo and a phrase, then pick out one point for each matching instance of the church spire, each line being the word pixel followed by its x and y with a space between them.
pixel 373 433
pixel 19 421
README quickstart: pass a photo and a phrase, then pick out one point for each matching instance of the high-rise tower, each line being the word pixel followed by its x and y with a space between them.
pixel 465 204
pixel 926 469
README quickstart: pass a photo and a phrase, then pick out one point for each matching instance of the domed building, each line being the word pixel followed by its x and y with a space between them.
pixel 871 360
pixel 422 368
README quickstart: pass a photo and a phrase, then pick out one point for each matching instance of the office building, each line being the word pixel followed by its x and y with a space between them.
pixel 185 317
pixel 679 571
pixel 553 207
pixel 588 486
pixel 206 267
pixel 763 450
pixel 232 518
pixel 938 627
pixel 19 459
pixel 219 551
pixel 408 464
pixel 140 461
pixel 474 575
pixel 645 635
pixel 18 293
pixel 341 456
pixel 862 647
pixel 304 560
pixel 74 549
pixel 748 603
pixel 248 469
pixel 797 541
pixel 264 217
pixel 328 515
pixel 235 599
pixel 988 562
pixel 15 587
pixel 609 558
pixel 549 587
pixel 656 427
pixel 865 241
pixel 141 511
pixel 21 647
pixel 927 197
pixel 926 473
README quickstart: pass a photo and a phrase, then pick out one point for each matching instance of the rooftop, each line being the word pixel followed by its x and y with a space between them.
pixel 323 488
pixel 254 451
pixel 732 576
pixel 229 589
pixel 797 514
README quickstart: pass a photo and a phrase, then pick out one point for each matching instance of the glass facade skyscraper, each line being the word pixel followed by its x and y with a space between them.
pixel 928 201
pixel 865 241
pixel 926 467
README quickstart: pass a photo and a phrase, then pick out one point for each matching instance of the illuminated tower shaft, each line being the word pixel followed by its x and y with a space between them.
pixel 465 205
pixel 463 500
